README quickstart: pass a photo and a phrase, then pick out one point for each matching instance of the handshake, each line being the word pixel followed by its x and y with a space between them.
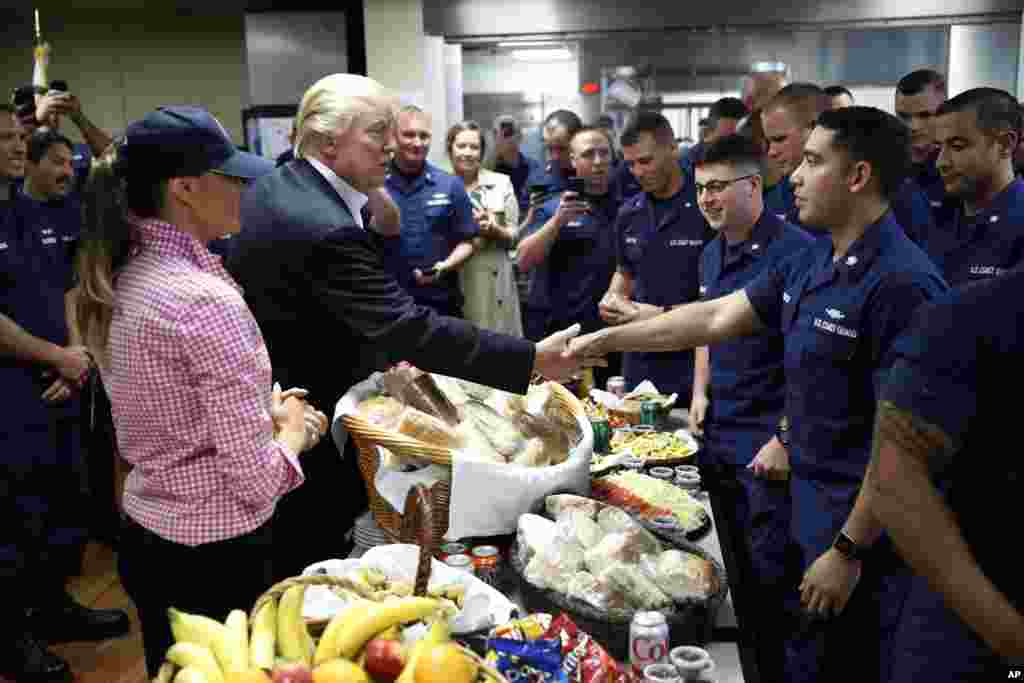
pixel 296 422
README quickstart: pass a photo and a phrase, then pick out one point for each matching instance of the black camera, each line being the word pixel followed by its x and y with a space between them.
pixel 577 185
pixel 24 99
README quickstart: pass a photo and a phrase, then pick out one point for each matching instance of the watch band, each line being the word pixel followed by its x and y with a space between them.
pixel 782 432
pixel 847 547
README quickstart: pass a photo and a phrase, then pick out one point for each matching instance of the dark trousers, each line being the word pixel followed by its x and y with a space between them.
pixel 756 514
pixel 211 579
pixel 313 522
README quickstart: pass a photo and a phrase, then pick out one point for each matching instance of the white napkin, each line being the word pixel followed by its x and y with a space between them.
pixel 647 387
pixel 484 606
pixel 487 498
pixel 393 484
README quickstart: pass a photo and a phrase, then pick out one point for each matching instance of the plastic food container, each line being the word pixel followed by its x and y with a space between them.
pixel 691 662
pixel 666 473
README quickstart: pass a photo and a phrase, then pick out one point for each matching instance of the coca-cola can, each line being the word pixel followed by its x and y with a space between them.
pixel 648 641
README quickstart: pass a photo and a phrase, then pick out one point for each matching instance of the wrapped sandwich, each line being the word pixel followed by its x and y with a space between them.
pixel 682 576
pixel 559 503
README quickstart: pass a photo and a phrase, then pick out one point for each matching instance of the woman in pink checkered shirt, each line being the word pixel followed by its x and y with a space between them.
pixel 187 372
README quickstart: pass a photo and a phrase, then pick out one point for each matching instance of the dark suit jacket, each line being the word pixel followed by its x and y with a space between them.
pixel 329 311
pixel 331 315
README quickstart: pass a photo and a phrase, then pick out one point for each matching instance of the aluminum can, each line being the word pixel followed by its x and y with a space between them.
pixel 616 385
pixel 602 434
pixel 448 549
pixel 487 563
pixel 649 413
pixel 461 562
pixel 648 641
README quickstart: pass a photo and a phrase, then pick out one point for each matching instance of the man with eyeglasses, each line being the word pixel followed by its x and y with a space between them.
pixel 569 247
pixel 840 305
pixel 739 387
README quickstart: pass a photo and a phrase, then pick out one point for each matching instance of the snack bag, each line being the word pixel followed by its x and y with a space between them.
pixel 527 660
pixel 583 658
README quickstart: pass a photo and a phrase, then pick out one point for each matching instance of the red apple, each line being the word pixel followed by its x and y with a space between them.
pixel 385 659
pixel 293 672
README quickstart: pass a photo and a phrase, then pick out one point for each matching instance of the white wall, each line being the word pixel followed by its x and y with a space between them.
pixel 983 55
pixel 401 57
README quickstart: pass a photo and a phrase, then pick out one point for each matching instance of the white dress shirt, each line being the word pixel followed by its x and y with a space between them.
pixel 353 198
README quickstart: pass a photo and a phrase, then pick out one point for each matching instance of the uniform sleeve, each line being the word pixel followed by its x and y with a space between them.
pixel 935 370
pixel 463 225
pixel 621 261
pixel 766 292
pixel 891 310
pixel 356 291
pixel 221 345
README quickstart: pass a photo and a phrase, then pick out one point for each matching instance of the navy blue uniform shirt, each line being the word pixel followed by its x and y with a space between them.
pixel 840 321
pixel 664 262
pixel 968 249
pixel 522 174
pixel 747 381
pixel 778 199
pixel 578 269
pixel 37 248
pixel 436 216
pixel 957 368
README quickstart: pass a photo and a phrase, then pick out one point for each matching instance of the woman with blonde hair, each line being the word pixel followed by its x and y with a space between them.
pixel 213 445
pixel 488 278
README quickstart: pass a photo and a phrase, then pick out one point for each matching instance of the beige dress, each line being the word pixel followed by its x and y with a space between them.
pixel 487 278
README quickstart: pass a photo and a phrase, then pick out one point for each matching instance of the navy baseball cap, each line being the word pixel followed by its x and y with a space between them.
pixel 178 141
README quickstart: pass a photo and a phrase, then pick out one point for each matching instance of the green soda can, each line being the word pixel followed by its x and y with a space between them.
pixel 602 435
pixel 649 413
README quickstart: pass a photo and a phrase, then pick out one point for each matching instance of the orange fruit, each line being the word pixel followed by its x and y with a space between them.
pixel 253 676
pixel 445 663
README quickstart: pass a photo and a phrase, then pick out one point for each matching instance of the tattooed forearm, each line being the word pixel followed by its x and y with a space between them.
pixel 912 436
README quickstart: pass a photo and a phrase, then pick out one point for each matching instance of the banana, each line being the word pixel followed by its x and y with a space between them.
pixel 195 628
pixel 440 632
pixel 166 673
pixel 293 639
pixel 198 657
pixel 328 647
pixel 393 632
pixel 191 675
pixel 349 631
pixel 236 641
pixel 264 636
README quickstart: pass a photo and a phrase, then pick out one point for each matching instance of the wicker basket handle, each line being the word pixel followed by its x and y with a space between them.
pixel 418 528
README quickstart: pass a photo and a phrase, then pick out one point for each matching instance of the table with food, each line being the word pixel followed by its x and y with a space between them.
pixel 499 547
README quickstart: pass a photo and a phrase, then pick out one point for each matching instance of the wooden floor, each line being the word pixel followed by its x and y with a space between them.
pixel 113 661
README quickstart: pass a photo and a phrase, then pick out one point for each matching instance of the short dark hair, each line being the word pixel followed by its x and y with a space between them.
pixel 564 118
pixel 805 100
pixel 874 136
pixel 647 121
pixel 604 121
pixel 996 110
pixel 462 127
pixel 590 129
pixel 837 90
pixel 727 108
pixel 735 150
pixel 40 142
pixel 916 81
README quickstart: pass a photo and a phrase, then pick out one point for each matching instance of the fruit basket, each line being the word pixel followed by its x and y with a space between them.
pixel 370 439
pixel 363 641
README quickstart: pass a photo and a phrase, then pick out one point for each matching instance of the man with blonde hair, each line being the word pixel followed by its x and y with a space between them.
pixel 309 258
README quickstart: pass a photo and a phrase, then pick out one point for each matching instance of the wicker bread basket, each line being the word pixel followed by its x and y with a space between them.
pixel 419 512
pixel 369 437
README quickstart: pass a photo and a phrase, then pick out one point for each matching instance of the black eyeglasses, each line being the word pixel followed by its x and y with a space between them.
pixel 719 186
